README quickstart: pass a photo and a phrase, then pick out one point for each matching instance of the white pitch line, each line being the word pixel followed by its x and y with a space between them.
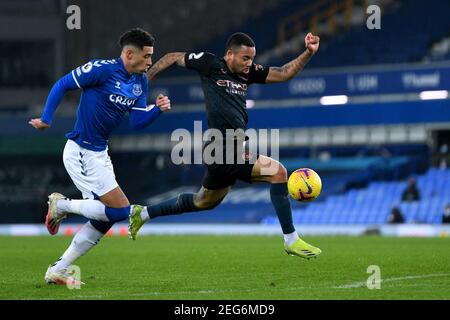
pixel 364 283
pixel 156 293
pixel 345 286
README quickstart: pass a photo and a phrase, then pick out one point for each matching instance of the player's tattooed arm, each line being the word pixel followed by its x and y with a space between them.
pixel 165 62
pixel 291 69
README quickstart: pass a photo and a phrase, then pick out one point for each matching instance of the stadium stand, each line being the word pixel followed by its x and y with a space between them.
pixel 349 43
pixel 361 46
pixel 377 139
pixel 372 204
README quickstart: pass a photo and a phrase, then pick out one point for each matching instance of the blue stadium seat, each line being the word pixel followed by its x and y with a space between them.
pixel 373 204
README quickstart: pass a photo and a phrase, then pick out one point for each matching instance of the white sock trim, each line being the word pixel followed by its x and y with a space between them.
pixel 144 214
pixel 290 238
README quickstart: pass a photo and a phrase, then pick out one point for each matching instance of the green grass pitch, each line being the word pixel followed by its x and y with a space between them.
pixel 230 267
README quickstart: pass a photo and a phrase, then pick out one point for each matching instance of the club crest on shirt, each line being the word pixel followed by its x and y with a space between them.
pixel 137 89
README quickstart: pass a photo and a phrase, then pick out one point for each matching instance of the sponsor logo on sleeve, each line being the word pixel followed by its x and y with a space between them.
pixel 87 67
pixel 196 55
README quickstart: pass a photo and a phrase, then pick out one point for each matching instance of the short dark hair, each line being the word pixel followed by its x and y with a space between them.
pixel 239 39
pixel 136 37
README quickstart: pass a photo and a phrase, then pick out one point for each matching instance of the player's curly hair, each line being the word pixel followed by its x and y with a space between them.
pixel 239 39
pixel 136 37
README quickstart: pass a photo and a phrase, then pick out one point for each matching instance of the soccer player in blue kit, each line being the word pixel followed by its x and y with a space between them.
pixel 111 88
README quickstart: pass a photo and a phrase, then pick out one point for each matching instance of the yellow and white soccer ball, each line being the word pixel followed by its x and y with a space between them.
pixel 304 185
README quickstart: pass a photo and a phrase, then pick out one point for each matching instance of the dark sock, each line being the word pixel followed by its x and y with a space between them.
pixel 280 200
pixel 183 203
pixel 101 226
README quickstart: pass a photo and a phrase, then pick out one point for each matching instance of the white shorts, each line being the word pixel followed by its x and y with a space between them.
pixel 92 172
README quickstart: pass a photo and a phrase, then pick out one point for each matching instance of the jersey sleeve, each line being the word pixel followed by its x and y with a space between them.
pixel 258 74
pixel 200 62
pixel 55 96
pixel 141 118
pixel 91 74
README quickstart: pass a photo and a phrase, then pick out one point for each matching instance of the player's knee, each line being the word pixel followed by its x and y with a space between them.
pixel 281 175
pixel 210 205
pixel 207 204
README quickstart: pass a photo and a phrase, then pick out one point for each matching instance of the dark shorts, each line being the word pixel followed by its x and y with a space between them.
pixel 219 176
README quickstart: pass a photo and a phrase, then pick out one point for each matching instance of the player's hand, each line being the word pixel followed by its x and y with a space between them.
pixel 163 103
pixel 38 124
pixel 312 43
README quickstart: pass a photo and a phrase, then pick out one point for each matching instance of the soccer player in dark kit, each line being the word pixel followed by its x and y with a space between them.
pixel 225 82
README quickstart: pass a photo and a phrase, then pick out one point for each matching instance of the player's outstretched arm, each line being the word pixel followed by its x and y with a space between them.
pixel 291 69
pixel 165 62
pixel 54 98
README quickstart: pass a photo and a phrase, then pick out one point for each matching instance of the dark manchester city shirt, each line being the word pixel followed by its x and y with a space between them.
pixel 225 92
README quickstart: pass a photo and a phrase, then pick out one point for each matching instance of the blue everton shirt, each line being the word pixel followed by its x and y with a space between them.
pixel 109 92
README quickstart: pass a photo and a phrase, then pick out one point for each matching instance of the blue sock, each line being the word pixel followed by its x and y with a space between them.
pixel 117 214
pixel 280 201
pixel 183 203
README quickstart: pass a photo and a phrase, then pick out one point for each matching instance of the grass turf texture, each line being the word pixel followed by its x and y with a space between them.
pixel 230 267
